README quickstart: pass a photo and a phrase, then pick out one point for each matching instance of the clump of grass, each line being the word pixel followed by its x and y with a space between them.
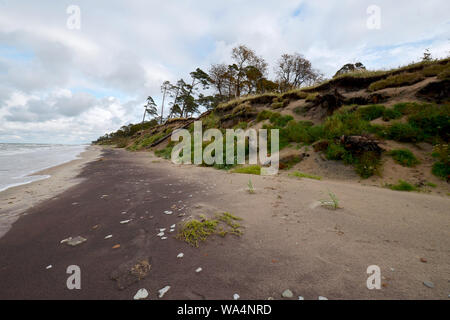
pixel 441 168
pixel 434 70
pixel 254 169
pixel 250 188
pixel 331 203
pixel 368 164
pixel 404 132
pixel 371 112
pixel 279 120
pixel 195 231
pixel 391 114
pixel 431 184
pixel 404 157
pixel 402 79
pixel 402 186
pixel 299 174
pixel 311 97
pixel 264 115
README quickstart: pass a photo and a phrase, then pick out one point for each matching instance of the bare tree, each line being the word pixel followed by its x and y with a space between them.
pixel 294 71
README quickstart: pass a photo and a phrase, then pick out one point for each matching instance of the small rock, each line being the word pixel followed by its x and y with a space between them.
pixel 270 298
pixel 162 229
pixel 198 270
pixel 108 236
pixel 125 221
pixel 117 246
pixel 163 238
pixel 74 241
pixel 323 298
pixel 171 230
pixel 160 234
pixel 172 226
pixel 168 212
pixel 49 267
pixel 236 296
pixel 141 294
pixel 428 284
pixel 301 298
pixel 287 294
pixel 180 255
pixel 424 260
pixel 163 291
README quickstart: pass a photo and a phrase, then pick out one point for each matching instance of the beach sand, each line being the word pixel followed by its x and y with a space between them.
pixel 290 241
pixel 16 200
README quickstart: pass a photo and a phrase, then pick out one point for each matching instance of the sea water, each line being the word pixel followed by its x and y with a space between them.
pixel 18 161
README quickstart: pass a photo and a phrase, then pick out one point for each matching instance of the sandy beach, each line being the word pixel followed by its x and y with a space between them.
pixel 290 241
pixel 16 200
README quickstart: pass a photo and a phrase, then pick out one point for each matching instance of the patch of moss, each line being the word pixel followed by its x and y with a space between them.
pixel 254 169
pixel 402 186
pixel 299 174
pixel 404 157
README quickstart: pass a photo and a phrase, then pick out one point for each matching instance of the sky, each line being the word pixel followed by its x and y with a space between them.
pixel 70 71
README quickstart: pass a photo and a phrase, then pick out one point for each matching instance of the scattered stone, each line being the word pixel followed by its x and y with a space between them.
pixel 108 236
pixel 270 298
pixel 49 267
pixel 301 298
pixel 141 294
pixel 74 241
pixel 117 246
pixel 74 203
pixel 168 212
pixel 163 238
pixel 160 234
pixel 172 226
pixel 163 291
pixel 323 298
pixel 162 229
pixel 287 294
pixel 180 255
pixel 424 260
pixel 236 296
pixel 171 230
pixel 125 221
pixel 104 196
pixel 198 270
pixel 429 284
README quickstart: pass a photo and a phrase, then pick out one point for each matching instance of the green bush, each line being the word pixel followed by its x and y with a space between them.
pixel 340 124
pixel 433 70
pixel 391 114
pixel 264 115
pixel 279 120
pixel 368 164
pixel 441 167
pixel 402 186
pixel 335 151
pixel 404 132
pixel 371 112
pixel 404 157
pixel 432 120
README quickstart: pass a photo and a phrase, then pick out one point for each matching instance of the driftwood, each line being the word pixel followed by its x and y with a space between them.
pixel 361 144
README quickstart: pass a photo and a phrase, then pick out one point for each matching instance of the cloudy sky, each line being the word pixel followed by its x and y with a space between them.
pixel 61 84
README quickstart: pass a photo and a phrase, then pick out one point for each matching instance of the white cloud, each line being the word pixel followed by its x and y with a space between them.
pixel 55 82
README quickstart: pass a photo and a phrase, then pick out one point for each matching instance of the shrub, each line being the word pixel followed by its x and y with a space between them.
pixel 263 115
pixel 279 120
pixel 277 105
pixel 402 186
pixel 406 107
pixel 404 132
pixel 441 167
pixel 432 120
pixel 312 96
pixel 404 157
pixel 433 70
pixel 398 80
pixel 371 112
pixel 391 114
pixel 335 151
pixel 368 164
pixel 340 124
pixel 445 74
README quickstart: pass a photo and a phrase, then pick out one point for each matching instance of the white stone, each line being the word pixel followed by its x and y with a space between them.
pixel 163 291
pixel 301 298
pixel 236 296
pixel 49 267
pixel 180 255
pixel 160 234
pixel 163 238
pixel 141 294
pixel 108 236
pixel 168 212
pixel 125 221
pixel 198 270
pixel 322 298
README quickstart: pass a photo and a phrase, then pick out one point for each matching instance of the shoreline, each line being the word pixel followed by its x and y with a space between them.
pixel 16 200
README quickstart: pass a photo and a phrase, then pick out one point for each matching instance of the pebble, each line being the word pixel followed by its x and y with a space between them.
pixel 49 267
pixel 125 221
pixel 198 270
pixel 287 293
pixel 141 294
pixel 163 291
pixel 322 298
pixel 301 298
pixel 108 236
pixel 162 229
pixel 171 230
pixel 428 284
pixel 180 255
pixel 172 226
pixel 74 241
pixel 160 234
pixel 236 296
pixel 163 238
pixel 168 212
